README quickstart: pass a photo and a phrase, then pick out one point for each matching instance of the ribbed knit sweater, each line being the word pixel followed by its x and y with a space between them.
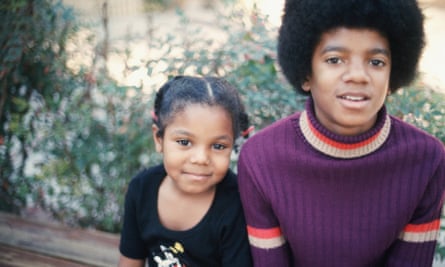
pixel 313 198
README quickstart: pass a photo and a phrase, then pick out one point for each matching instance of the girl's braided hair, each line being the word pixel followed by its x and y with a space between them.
pixel 181 91
pixel 304 21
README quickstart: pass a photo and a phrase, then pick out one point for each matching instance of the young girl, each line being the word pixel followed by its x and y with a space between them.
pixel 187 211
pixel 343 183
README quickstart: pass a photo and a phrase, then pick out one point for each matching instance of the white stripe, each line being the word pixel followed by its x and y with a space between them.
pixel 267 243
pixel 419 237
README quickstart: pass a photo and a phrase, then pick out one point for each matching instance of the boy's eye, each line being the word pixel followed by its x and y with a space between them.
pixel 377 62
pixel 183 142
pixel 219 146
pixel 333 60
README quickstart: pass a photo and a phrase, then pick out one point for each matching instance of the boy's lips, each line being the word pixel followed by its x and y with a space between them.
pixel 353 100
pixel 353 97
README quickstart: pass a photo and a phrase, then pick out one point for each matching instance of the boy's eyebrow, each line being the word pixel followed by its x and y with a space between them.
pixel 381 51
pixel 373 51
pixel 331 48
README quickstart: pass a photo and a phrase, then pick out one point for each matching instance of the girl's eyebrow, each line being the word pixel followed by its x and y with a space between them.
pixel 184 132
pixel 181 132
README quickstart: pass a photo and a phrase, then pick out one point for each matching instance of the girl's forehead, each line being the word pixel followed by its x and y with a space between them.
pixel 199 107
pixel 202 119
pixel 196 110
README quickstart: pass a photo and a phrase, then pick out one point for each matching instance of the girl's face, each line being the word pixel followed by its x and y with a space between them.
pixel 350 79
pixel 196 148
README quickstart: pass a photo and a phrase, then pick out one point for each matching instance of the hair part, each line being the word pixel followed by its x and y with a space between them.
pixel 304 21
pixel 179 92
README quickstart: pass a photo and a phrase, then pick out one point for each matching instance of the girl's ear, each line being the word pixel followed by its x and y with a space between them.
pixel 306 86
pixel 157 139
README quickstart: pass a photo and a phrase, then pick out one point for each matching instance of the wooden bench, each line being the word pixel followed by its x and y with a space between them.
pixel 25 242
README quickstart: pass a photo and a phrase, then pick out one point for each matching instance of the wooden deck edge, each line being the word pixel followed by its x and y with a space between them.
pixel 87 247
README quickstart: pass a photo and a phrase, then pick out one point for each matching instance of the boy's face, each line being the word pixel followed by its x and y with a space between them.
pixel 350 79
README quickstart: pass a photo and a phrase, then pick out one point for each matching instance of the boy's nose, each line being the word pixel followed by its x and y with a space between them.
pixel 356 72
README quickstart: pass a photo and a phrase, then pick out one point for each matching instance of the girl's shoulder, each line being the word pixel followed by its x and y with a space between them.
pixel 227 190
pixel 148 178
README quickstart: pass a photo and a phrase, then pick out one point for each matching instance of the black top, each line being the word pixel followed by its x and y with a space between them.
pixel 219 239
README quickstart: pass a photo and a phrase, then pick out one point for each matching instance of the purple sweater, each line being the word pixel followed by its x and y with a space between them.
pixel 315 199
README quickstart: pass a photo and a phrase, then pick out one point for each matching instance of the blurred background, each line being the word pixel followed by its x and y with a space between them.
pixel 77 79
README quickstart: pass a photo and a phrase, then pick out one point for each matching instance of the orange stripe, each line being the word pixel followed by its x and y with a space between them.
pixel 264 233
pixel 339 145
pixel 417 228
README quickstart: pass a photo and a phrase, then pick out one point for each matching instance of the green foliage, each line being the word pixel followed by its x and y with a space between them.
pixel 422 107
pixel 32 41
pixel 99 140
pixel 246 57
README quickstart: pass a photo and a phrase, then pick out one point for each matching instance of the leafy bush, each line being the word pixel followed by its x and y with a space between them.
pixel 33 77
pixel 420 106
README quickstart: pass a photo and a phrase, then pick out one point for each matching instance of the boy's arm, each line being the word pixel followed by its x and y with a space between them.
pixel 268 246
pixel 417 242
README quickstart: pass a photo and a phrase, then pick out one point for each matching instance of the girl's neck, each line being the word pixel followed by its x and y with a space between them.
pixel 179 210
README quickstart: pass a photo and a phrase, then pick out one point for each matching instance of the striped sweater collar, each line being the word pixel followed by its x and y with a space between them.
pixel 346 147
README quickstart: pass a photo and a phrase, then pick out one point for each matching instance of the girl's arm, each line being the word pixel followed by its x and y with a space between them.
pixel 235 245
pixel 128 262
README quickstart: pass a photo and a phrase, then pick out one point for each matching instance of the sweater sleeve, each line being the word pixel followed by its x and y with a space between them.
pixel 417 242
pixel 267 242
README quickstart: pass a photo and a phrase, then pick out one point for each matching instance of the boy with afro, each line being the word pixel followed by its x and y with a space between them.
pixel 343 183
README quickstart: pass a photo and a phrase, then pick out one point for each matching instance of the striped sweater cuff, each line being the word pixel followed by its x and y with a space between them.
pixel 267 238
pixel 421 233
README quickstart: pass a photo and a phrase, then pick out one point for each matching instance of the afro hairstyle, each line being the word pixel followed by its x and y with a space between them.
pixel 304 21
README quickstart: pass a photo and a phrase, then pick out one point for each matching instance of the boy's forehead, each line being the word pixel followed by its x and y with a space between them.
pixel 340 38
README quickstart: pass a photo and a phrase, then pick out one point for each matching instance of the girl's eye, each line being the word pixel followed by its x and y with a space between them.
pixel 377 62
pixel 219 146
pixel 334 60
pixel 183 142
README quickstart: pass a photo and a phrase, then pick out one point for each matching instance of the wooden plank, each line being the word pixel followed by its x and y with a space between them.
pixel 87 247
pixel 16 257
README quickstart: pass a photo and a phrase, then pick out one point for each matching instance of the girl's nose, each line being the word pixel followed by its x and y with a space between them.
pixel 200 156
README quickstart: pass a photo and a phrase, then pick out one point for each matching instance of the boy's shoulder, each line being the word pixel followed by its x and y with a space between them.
pixel 280 125
pixel 399 126
pixel 271 135
pixel 406 132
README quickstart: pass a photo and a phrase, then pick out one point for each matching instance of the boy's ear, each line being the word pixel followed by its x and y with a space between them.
pixel 157 139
